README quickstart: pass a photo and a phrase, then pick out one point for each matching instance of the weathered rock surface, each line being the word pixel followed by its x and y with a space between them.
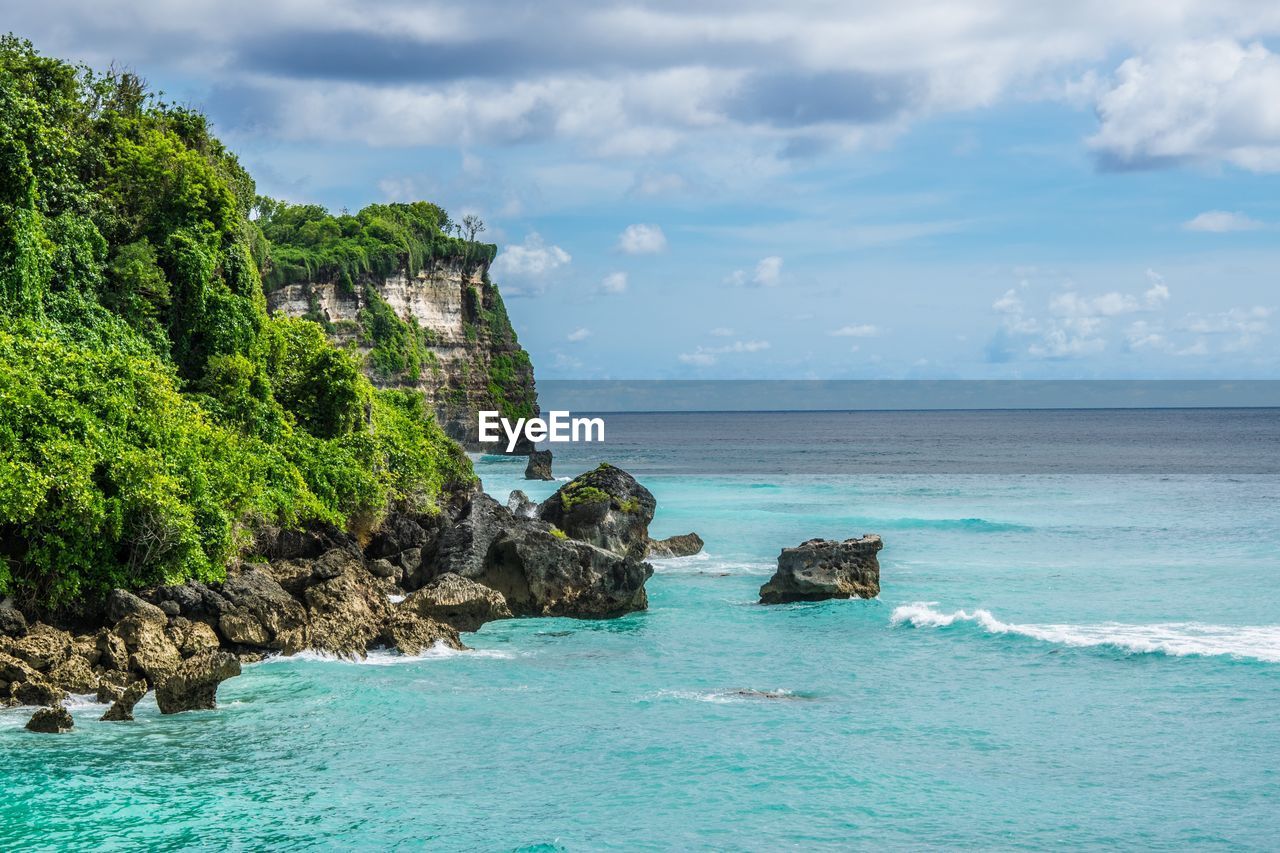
pixel 684 545
pixel 411 634
pixel 12 622
pixel 825 568
pixel 121 604
pixel 346 611
pixel 194 684
pixel 539 467
pixel 538 572
pixel 42 647
pixel 521 506
pixel 151 653
pixel 262 614
pixel 74 675
pixel 457 601
pixel 51 721
pixel 121 709
pixel 605 507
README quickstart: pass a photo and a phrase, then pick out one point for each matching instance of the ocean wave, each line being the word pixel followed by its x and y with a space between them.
pixel 972 525
pixel 703 563
pixel 1176 639
pixel 390 657
pixel 735 695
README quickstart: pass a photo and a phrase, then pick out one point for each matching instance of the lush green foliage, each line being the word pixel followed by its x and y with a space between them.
pixel 309 244
pixel 151 413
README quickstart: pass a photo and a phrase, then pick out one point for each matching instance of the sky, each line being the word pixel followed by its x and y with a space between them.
pixel 982 189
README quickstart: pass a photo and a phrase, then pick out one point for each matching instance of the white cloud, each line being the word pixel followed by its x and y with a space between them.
pixel 578 335
pixel 700 358
pixel 642 239
pixel 704 356
pixel 1193 101
pixel 1142 334
pixel 721 332
pixel 768 273
pixel 614 282
pixel 530 263
pixel 864 330
pixel 1221 221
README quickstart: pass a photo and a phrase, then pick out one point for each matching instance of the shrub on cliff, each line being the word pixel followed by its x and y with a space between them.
pixel 151 412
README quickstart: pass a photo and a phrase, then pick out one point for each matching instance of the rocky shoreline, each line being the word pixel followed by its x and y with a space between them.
pixel 418 582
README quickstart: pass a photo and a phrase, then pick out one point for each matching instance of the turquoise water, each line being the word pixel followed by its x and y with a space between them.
pixel 1077 643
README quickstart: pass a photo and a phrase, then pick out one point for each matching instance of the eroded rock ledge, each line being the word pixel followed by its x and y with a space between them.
pixel 820 569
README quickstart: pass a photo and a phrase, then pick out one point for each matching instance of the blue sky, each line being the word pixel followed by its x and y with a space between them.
pixel 737 190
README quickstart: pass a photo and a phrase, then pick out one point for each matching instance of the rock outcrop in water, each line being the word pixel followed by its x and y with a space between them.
pixel 539 467
pixel 51 721
pixel 820 569
pixel 605 507
pixel 684 545
pixel 539 568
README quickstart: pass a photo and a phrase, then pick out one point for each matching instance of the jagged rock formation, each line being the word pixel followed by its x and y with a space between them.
pixel 606 507
pixel 539 466
pixel 51 721
pixel 471 360
pixel 825 568
pixel 684 545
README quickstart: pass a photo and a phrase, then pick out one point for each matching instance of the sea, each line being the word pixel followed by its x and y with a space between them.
pixel 1076 645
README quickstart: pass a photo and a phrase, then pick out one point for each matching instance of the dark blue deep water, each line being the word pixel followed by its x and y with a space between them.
pixel 1077 644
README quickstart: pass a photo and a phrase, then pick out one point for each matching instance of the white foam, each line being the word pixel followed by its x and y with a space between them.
pixel 727 697
pixel 395 599
pixel 703 563
pixel 1178 639
pixel 390 657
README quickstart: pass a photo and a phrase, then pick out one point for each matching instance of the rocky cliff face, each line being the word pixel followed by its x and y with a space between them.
pixel 443 331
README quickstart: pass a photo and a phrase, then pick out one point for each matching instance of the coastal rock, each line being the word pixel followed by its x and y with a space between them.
pixel 111 685
pixel 539 467
pixel 194 684
pixel 520 505
pixel 457 601
pixel 12 622
pixel 195 601
pixel 347 611
pixel 605 507
pixel 464 545
pixel 537 569
pixel 36 691
pixel 684 545
pixel 823 568
pixel 74 676
pixel 151 654
pixel 262 613
pixel 121 709
pixel 277 543
pixel 51 721
pixel 384 569
pixel 398 532
pixel 121 603
pixel 191 637
pixel 541 574
pixel 113 654
pixel 42 647
pixel 411 634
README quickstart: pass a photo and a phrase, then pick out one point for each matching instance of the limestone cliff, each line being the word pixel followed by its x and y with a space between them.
pixel 442 330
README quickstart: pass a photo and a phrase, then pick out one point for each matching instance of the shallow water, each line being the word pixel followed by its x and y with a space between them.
pixel 1077 642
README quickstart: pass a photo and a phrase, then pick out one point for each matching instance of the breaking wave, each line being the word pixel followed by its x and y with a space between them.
pixel 1176 639
pixel 388 657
